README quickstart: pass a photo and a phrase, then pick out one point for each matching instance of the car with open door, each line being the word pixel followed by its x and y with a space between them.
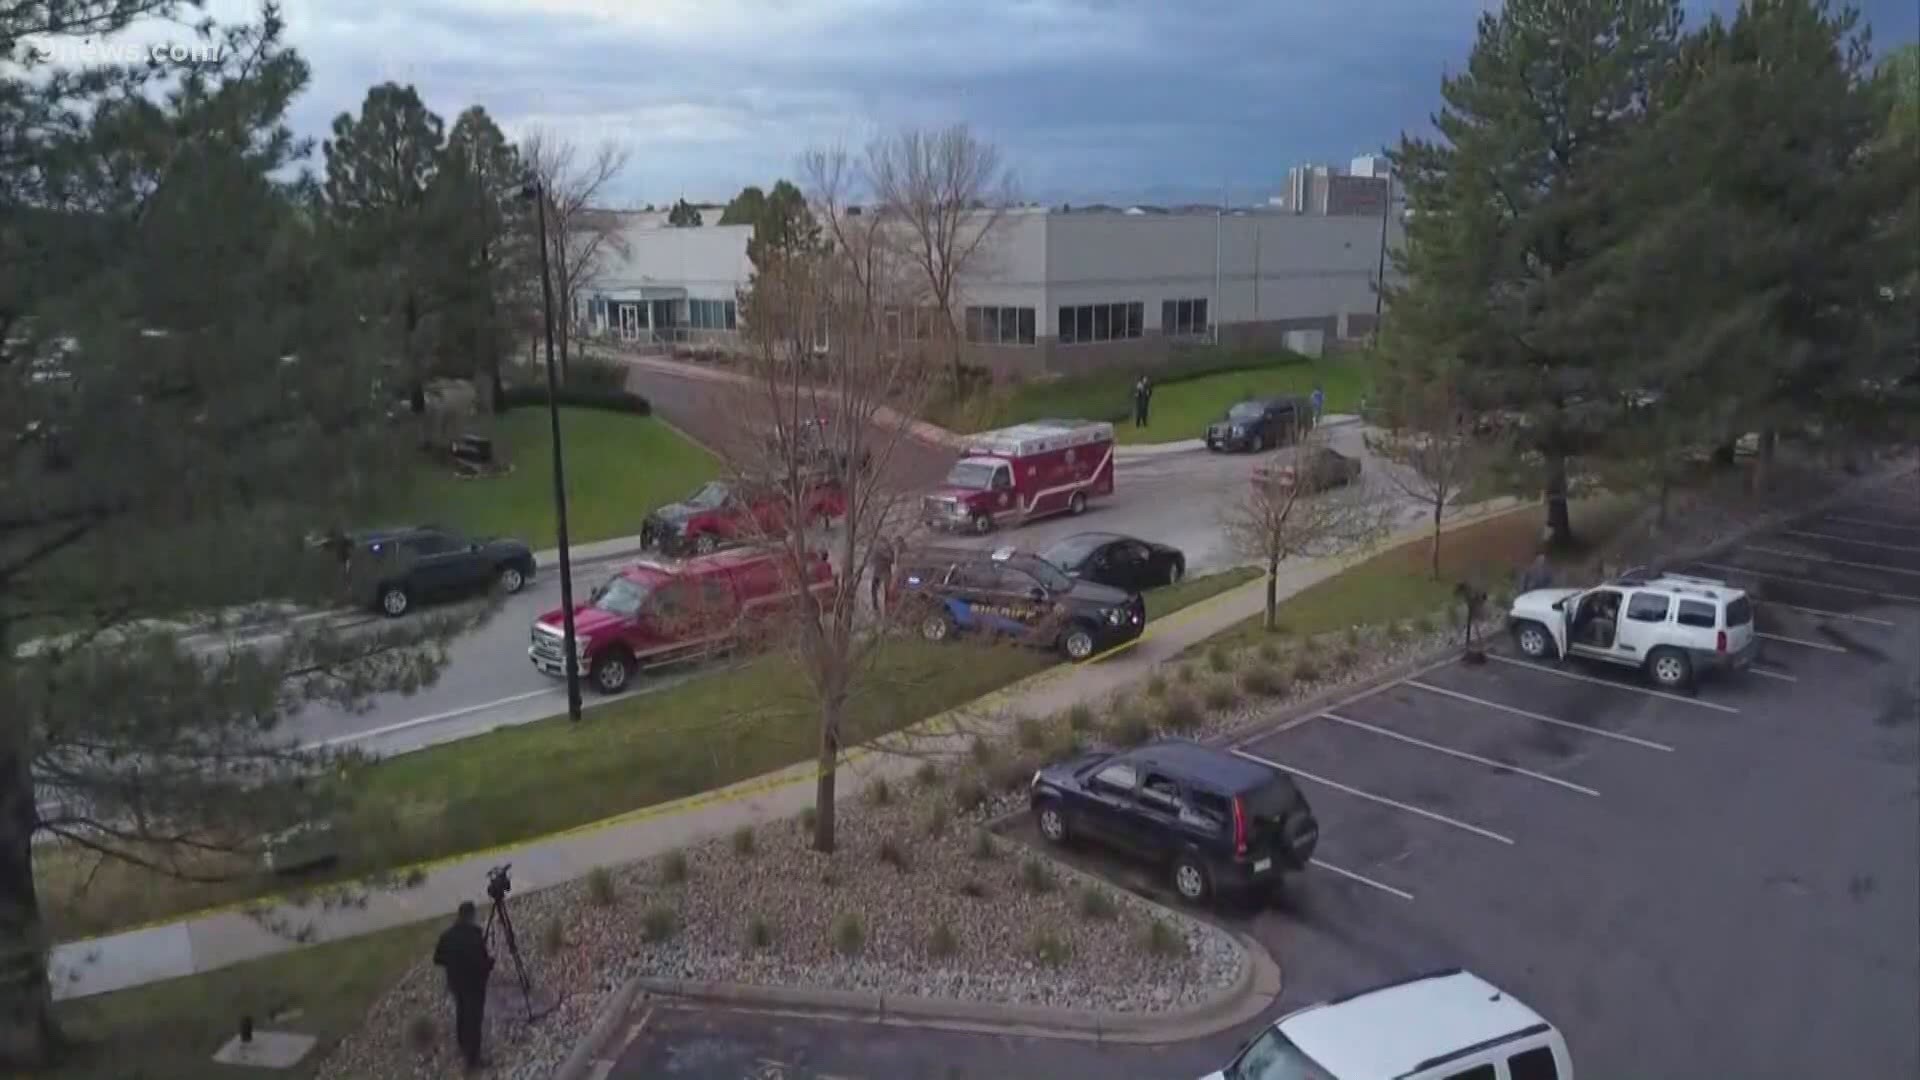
pixel 1120 561
pixel 1671 626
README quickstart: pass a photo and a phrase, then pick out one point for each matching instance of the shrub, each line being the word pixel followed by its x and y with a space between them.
pixel 1181 713
pixel 593 373
pixel 1080 717
pixel 1049 949
pixel 983 845
pixel 928 775
pixel 1012 774
pixel 1161 939
pixel 1267 651
pixel 1036 875
pixel 759 933
pixel 1185 674
pixel 1129 728
pixel 849 934
pixel 1346 659
pixel 969 793
pixel 743 840
pixel 553 935
pixel 1219 659
pixel 879 793
pixel 1096 904
pixel 1430 623
pixel 807 819
pixel 1156 685
pixel 673 867
pixel 659 923
pixel 600 886
pixel 579 397
pixel 891 853
pixel 1305 670
pixel 422 1034
pixel 1029 733
pixel 1264 681
pixel 1066 743
pixel 981 751
pixel 1397 632
pixel 1351 637
pixel 936 824
pixel 1219 695
pixel 941 943
pixel 973 889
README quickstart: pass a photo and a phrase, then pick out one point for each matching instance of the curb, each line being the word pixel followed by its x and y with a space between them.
pixel 580 1061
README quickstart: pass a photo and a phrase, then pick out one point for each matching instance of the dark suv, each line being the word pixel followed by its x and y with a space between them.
pixel 394 568
pixel 1259 424
pixel 1213 820
pixel 949 591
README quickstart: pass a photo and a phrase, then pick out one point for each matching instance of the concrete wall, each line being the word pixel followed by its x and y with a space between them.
pixel 710 262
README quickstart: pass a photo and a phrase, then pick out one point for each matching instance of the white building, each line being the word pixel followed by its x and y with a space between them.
pixel 1371 165
pixel 663 285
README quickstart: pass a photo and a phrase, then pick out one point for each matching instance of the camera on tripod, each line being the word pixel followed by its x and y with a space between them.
pixel 498 883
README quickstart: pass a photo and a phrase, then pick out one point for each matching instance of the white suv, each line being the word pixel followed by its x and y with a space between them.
pixel 1671 626
pixel 1451 1025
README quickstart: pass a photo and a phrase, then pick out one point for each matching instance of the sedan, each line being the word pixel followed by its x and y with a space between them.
pixel 1324 469
pixel 1119 561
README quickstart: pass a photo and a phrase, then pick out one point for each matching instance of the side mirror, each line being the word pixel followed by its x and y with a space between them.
pixel 1038 594
pixel 598 592
pixel 1558 604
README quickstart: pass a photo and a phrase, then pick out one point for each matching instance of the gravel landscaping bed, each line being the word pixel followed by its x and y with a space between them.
pixel 896 910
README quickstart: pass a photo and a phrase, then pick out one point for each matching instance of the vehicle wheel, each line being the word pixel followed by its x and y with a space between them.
pixel 394 600
pixel 1175 572
pixel 1533 641
pixel 1077 503
pixel 982 524
pixel 706 544
pixel 1670 668
pixel 936 627
pixel 611 671
pixel 1053 822
pixel 1190 879
pixel 1077 643
pixel 512 580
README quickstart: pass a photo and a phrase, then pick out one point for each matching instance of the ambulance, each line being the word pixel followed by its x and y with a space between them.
pixel 1024 472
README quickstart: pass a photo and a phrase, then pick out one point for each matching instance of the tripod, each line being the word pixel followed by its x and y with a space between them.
pixel 499 914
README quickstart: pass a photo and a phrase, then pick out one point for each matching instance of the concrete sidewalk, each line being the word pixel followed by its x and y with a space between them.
pixel 216 939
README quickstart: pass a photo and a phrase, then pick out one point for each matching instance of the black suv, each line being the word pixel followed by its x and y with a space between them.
pixel 394 568
pixel 1259 424
pixel 949 591
pixel 1213 820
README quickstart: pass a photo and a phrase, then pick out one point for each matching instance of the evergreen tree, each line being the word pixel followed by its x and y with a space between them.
pixel 185 400
pixel 684 215
pixel 477 211
pixel 746 207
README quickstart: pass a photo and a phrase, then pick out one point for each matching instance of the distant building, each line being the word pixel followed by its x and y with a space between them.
pixel 1372 165
pixel 661 285
pixel 1328 191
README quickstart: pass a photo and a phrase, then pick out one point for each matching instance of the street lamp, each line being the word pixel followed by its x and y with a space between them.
pixel 537 192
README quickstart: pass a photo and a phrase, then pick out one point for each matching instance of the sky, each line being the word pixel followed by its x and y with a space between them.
pixel 1088 100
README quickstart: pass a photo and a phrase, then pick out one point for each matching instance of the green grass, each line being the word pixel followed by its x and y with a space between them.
pixel 619 467
pixel 1181 408
pixel 169 1030
pixel 1168 599
pixel 527 781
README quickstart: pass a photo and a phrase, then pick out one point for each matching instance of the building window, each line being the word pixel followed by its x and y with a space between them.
pixel 1089 323
pixel 1000 325
pixel 711 314
pixel 1183 317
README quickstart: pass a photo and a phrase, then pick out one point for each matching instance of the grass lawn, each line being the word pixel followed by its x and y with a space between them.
pixel 1398 583
pixel 530 780
pixel 619 467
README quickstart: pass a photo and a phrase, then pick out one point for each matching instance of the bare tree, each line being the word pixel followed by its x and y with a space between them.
pixel 582 233
pixel 944 194
pixel 1303 512
pixel 1430 447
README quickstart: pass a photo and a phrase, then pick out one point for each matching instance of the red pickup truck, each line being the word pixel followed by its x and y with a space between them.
pixel 651 614
pixel 724 512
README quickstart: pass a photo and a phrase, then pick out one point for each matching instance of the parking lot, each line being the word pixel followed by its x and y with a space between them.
pixel 1721 883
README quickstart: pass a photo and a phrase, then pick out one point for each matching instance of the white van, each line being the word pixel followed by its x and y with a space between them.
pixel 1450 1025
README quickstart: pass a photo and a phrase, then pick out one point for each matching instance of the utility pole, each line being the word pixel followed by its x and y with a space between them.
pixel 538 192
pixel 1380 273
pixel 1214 315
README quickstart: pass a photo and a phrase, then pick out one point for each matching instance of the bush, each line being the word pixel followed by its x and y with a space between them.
pixel 1181 713
pixel 1049 949
pixel 659 923
pixel 1030 733
pixel 600 886
pixel 422 1034
pixel 1012 774
pixel 891 853
pixel 927 775
pixel 941 943
pixel 1219 695
pixel 973 889
pixel 1036 875
pixel 1096 904
pixel 936 824
pixel 578 397
pixel 1080 717
pixel 1066 743
pixel 1161 939
pixel 1267 651
pixel 969 793
pixel 759 934
pixel 879 793
pixel 1264 681
pixel 1219 660
pixel 1185 674
pixel 594 373
pixel 553 935
pixel 981 751
pixel 1156 685
pixel 1430 623
pixel 807 819
pixel 1346 659
pixel 1351 637
pixel 983 846
pixel 673 867
pixel 1398 632
pixel 1305 670
pixel 849 934
pixel 1129 729
pixel 743 840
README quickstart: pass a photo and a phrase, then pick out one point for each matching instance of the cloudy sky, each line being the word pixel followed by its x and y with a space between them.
pixel 1164 99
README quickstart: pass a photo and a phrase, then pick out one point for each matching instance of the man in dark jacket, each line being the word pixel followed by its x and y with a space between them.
pixel 882 559
pixel 462 950
pixel 1142 400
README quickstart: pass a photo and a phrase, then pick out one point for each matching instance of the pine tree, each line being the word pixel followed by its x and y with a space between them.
pixel 684 215
pixel 477 214
pixel 185 400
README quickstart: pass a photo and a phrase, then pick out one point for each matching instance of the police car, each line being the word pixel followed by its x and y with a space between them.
pixel 947 592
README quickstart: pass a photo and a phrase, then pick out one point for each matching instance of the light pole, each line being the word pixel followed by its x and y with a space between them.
pixel 538 193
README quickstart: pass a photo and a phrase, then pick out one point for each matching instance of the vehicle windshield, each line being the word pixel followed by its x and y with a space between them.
pixel 1273 1056
pixel 1246 410
pixel 623 596
pixel 710 496
pixel 1072 550
pixel 1050 575
pixel 972 475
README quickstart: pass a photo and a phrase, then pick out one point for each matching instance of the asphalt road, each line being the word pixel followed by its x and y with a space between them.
pixel 488 682
pixel 1721 884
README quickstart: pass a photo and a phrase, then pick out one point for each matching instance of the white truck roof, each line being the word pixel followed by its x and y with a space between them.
pixel 1398 1029
pixel 1039 437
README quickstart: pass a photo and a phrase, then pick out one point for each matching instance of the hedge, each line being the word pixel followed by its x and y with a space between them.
pixel 582 397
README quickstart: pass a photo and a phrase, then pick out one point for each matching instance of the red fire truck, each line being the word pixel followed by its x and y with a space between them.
pixel 1024 472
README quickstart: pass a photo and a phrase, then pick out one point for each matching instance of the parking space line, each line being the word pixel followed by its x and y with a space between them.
pixel 1873 524
pixel 1802 642
pixel 1850 540
pixel 1617 686
pixel 1831 561
pixel 1896 597
pixel 1828 614
pixel 1484 703
pixel 1461 754
pixel 1781 675
pixel 1371 797
pixel 1362 879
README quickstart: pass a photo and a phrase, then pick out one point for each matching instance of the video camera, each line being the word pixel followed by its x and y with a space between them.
pixel 498 883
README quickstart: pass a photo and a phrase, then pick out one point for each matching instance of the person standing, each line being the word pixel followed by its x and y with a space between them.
pixel 882 560
pixel 1140 402
pixel 462 951
pixel 1319 403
